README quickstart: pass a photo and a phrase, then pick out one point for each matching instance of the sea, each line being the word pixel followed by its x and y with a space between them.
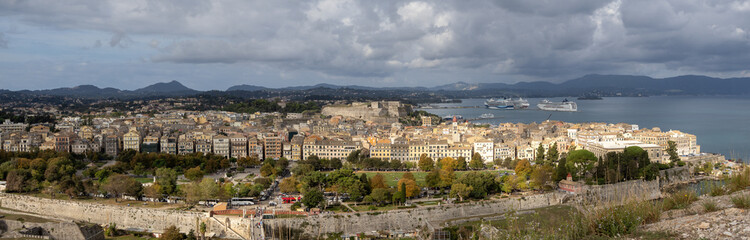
pixel 721 123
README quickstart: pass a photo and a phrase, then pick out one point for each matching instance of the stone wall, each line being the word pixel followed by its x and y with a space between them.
pixel 411 219
pixel 136 218
pixel 56 230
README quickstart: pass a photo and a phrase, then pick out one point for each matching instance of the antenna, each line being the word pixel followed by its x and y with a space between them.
pixel 550 115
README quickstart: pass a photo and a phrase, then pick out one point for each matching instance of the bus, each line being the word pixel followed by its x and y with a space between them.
pixel 242 201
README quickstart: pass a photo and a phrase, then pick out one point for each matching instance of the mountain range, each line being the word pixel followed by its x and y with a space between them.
pixel 603 85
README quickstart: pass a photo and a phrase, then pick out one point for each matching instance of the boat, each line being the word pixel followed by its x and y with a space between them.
pixel 564 106
pixel 507 103
pixel 487 115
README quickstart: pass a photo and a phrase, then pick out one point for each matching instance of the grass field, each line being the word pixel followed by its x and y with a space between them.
pixel 391 178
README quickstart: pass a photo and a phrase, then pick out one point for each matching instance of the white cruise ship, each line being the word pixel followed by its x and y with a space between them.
pixel 508 103
pixel 564 106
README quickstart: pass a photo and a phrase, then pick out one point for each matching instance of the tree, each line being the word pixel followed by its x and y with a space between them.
pixel 409 187
pixel 313 198
pixel 408 175
pixel 476 161
pixel 552 154
pixel 267 170
pixel 289 185
pixel 202 229
pixel 194 174
pixel 539 155
pixel 425 163
pixel 580 162
pixel 433 178
pixel 523 167
pixel 460 164
pixel 377 181
pixel 672 151
pixel 208 189
pixel 16 180
pixel 541 175
pixel 446 171
pixel 561 171
pixel 167 179
pixel 154 191
pixel 171 233
pixel 460 190
pixel 120 184
pixel 380 195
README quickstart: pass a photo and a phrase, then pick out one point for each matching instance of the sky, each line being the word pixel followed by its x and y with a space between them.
pixel 212 45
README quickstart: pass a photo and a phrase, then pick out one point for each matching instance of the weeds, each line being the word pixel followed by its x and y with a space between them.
pixel 742 201
pixel 717 190
pixel 619 220
pixel 739 181
pixel 710 206
pixel 679 200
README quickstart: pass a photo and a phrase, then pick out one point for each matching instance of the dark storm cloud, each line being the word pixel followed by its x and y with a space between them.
pixel 487 40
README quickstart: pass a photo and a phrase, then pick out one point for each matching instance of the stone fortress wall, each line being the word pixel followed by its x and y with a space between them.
pixel 425 218
pixel 137 218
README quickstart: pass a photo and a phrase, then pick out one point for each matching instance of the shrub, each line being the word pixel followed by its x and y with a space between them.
pixel 717 190
pixel 710 206
pixel 618 220
pixel 739 180
pixel 679 200
pixel 742 201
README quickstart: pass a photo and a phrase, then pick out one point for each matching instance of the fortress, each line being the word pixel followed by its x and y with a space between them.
pixel 388 111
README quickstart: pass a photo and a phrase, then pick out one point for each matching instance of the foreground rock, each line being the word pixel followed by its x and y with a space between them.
pixel 730 223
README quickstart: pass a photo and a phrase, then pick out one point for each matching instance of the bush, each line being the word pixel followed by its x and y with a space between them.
pixel 619 220
pixel 710 206
pixel 717 190
pixel 739 181
pixel 679 200
pixel 742 201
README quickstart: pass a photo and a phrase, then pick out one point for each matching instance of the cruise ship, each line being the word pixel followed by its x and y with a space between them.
pixel 507 103
pixel 564 106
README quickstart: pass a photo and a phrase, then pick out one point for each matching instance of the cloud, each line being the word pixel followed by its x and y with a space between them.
pixel 3 41
pixel 481 40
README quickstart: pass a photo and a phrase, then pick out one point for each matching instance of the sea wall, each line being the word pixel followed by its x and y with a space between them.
pixel 136 218
pixel 55 230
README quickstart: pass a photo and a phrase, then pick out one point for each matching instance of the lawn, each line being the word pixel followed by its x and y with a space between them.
pixel 391 178
pixel 21 217
pixel 144 179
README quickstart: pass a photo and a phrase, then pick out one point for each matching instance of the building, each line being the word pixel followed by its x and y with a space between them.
pixel 600 149
pixel 328 148
pixel 131 140
pixel 168 144
pixel 185 145
pixel 426 121
pixel 486 149
pixel 150 144
pixel 296 148
pixel 112 145
pixel 63 141
pixel 255 147
pixel 272 147
pixel 9 126
pixel 221 146
pixel 238 146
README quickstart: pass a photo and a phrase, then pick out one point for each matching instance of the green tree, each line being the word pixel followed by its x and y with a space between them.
pixel 552 155
pixel 267 170
pixel 460 190
pixel 194 174
pixel 460 164
pixel 167 179
pixel 433 178
pixel 672 151
pixel 171 233
pixel 541 176
pixel 539 155
pixel 120 184
pixel 426 163
pixel 580 162
pixel 380 195
pixel 476 161
pixel 313 198
pixel 409 187
pixel 289 185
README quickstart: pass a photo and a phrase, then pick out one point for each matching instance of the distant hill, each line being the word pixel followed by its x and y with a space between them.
pixel 245 87
pixel 172 87
pixel 601 85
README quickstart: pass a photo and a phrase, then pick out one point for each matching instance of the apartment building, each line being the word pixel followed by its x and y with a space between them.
pixel 272 147
pixel 221 146
pixel 238 146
